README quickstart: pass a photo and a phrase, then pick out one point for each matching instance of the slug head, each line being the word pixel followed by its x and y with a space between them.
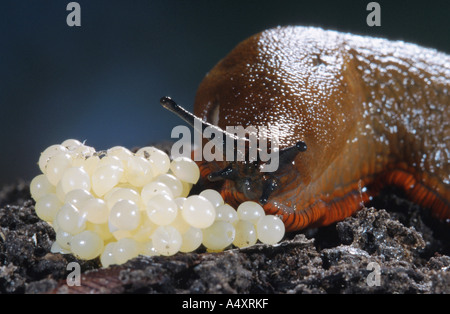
pixel 249 182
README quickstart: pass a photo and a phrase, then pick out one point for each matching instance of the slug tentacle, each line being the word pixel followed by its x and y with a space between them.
pixel 288 154
pixel 229 172
pixel 269 186
pixel 169 104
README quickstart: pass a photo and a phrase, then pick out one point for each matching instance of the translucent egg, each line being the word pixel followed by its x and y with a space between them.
pixel 118 194
pixel 145 151
pixel 167 240
pixel 125 215
pixel 40 186
pixel 101 229
pixel 86 245
pixel 154 188
pixel 245 234
pixel 71 144
pixel 78 196
pixel 145 230
pixel 198 211
pixel 161 209
pixel 111 160
pixel 123 155
pixel 84 151
pixel 57 249
pixel 159 160
pixel 75 178
pixel 63 238
pixel 70 219
pixel 105 178
pixel 185 169
pixel 107 257
pixel 120 234
pixel 107 195
pixel 218 236
pixel 250 211
pixel 191 240
pixel 48 206
pixel 139 171
pixel 147 249
pixel 56 167
pixel 96 210
pixel 270 229
pixel 121 152
pixel 48 153
pixel 180 224
pixel 124 250
pixel 227 213
pixel 213 196
pixel 78 161
pixel 172 182
pixel 89 164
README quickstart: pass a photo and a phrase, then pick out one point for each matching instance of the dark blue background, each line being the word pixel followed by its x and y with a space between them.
pixel 101 82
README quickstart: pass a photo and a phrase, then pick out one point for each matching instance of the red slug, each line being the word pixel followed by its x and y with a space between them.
pixel 372 113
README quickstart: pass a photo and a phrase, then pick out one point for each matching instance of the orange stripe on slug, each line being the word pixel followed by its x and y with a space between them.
pixel 420 193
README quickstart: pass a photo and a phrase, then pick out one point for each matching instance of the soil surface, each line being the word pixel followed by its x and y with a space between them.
pixel 402 250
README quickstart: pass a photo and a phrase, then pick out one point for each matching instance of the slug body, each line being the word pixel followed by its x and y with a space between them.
pixel 372 112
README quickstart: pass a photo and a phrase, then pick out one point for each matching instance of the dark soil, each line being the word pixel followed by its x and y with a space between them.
pixel 409 248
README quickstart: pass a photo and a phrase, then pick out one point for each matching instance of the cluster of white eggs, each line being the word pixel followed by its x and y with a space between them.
pixel 117 205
